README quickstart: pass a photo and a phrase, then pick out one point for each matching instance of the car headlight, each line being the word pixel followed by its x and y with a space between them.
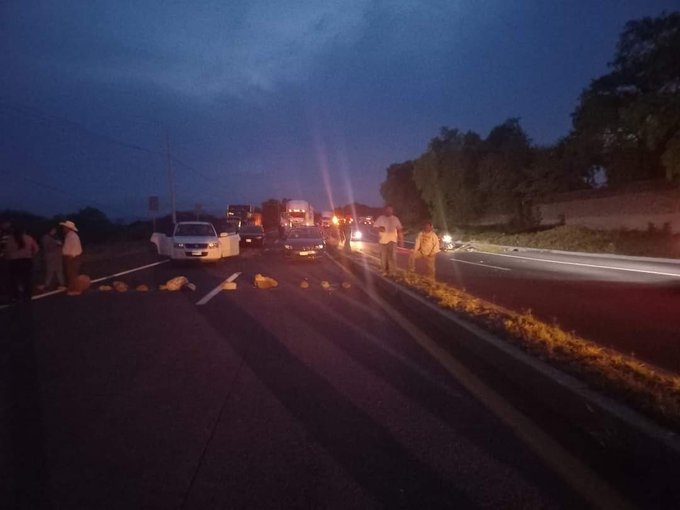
pixel 178 245
pixel 356 234
pixel 447 238
pixel 288 246
pixel 318 247
pixel 213 245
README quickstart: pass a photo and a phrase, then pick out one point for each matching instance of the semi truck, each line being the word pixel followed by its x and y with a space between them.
pixel 327 219
pixel 299 213
pixel 243 214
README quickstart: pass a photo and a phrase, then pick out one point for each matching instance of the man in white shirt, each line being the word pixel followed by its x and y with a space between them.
pixel 426 247
pixel 390 232
pixel 71 250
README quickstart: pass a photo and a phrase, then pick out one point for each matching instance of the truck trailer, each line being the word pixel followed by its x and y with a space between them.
pixel 299 213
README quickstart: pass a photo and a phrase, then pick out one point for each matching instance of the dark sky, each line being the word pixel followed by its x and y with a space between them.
pixel 274 98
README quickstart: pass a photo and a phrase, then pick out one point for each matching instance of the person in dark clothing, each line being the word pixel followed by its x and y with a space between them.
pixel 20 250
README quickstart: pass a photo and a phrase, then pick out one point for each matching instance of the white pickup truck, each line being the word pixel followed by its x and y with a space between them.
pixel 196 240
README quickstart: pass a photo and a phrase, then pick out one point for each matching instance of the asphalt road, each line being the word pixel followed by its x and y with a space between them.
pixel 291 397
pixel 630 305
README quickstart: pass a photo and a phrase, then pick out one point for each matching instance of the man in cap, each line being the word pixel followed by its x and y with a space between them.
pixel 71 251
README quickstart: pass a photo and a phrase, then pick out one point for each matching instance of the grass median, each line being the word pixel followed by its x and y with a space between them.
pixel 648 389
pixel 654 392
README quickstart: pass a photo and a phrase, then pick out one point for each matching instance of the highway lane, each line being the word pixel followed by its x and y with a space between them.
pixel 256 398
pixel 628 305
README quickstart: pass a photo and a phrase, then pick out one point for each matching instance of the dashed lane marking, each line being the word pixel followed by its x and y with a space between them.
pixel 582 264
pixel 482 265
pixel 217 289
pixel 575 473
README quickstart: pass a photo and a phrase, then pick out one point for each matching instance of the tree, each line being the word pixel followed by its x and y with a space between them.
pixel 399 189
pixel 628 120
pixel 505 172
pixel 447 177
pixel 93 225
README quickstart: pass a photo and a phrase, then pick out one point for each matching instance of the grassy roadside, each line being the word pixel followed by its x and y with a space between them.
pixel 650 243
pixel 651 390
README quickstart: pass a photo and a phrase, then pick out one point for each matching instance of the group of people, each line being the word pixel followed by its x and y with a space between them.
pixel 391 234
pixel 61 258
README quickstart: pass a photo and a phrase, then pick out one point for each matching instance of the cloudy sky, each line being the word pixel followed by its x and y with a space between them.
pixel 256 99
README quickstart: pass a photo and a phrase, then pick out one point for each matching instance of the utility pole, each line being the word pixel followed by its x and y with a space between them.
pixel 171 178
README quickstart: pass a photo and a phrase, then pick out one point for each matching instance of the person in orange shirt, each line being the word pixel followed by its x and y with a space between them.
pixel 426 247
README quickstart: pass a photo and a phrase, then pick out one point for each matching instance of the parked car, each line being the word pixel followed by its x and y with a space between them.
pixel 196 240
pixel 252 235
pixel 304 243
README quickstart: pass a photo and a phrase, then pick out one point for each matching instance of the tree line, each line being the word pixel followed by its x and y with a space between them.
pixel 625 128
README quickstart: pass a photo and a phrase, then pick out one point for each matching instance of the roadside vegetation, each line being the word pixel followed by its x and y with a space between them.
pixel 650 243
pixel 625 131
pixel 652 391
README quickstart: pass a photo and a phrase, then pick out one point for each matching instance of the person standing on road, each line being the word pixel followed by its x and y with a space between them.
pixel 72 250
pixel 426 247
pixel 347 234
pixel 390 232
pixel 54 263
pixel 20 249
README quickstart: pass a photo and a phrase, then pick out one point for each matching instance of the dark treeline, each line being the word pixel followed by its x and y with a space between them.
pixel 95 227
pixel 625 129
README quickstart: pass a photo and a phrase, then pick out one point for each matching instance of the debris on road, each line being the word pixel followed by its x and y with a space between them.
pixel 175 283
pixel 229 286
pixel 346 285
pixel 265 282
pixel 304 284
pixel 120 286
pixel 83 282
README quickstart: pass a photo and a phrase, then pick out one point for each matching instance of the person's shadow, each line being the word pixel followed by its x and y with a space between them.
pixel 26 484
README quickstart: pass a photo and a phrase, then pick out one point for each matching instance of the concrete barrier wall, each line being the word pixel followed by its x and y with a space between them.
pixel 652 204
pixel 636 207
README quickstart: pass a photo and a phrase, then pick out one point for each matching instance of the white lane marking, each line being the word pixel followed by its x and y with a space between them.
pixel 217 289
pixel 582 264
pixel 483 265
pixel 575 473
pixel 54 292
pixel 129 271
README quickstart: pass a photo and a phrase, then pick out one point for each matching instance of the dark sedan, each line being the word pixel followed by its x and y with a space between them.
pixel 304 243
pixel 251 235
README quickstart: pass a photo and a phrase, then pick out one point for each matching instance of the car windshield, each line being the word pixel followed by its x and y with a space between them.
pixel 305 233
pixel 195 229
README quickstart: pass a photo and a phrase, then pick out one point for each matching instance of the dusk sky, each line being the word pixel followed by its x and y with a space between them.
pixel 274 98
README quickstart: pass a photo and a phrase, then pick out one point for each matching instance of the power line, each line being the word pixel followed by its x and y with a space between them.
pixel 39 115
